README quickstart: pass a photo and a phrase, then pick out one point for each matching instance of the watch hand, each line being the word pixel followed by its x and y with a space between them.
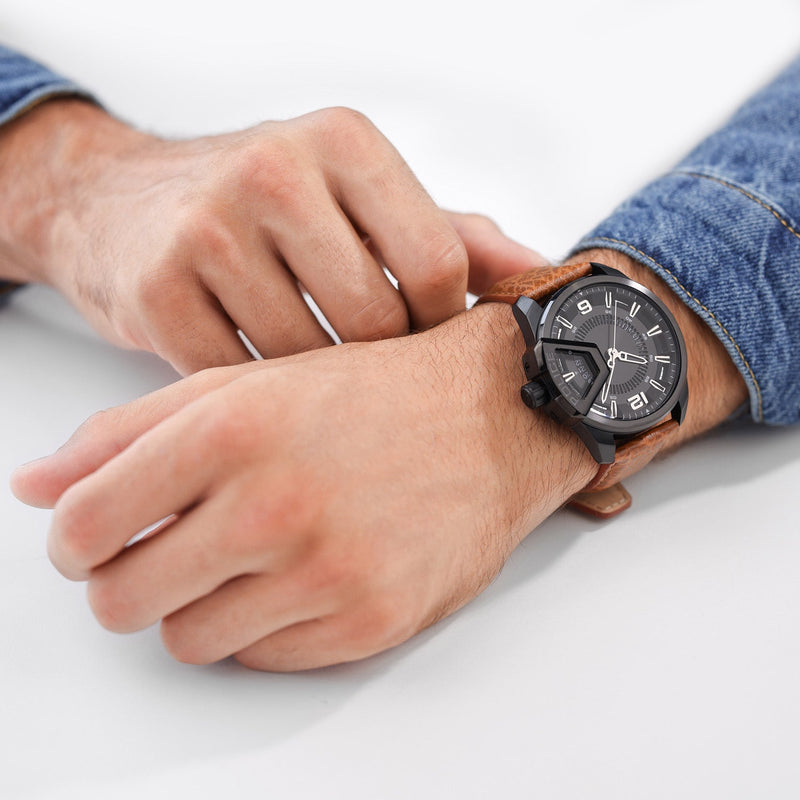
pixel 607 384
pixel 614 343
pixel 631 357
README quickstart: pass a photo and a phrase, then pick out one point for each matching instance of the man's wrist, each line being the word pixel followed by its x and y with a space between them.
pixel 716 388
pixel 47 156
pixel 548 462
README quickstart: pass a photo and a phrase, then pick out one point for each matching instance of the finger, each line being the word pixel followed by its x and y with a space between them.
pixel 265 302
pixel 381 195
pixel 314 643
pixel 325 253
pixel 188 558
pixel 492 255
pixel 200 336
pixel 106 434
pixel 236 615
pixel 163 472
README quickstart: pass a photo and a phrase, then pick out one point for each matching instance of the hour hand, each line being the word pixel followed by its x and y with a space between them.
pixel 631 358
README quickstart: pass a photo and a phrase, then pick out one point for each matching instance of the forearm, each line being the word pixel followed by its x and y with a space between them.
pixel 43 165
pixel 24 85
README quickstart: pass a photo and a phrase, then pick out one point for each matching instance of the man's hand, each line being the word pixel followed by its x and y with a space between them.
pixel 171 246
pixel 318 508
pixel 323 507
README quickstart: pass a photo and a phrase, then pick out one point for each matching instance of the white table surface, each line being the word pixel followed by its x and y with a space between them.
pixel 655 656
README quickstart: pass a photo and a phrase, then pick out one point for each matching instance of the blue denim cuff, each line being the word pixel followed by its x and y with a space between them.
pixel 734 258
pixel 25 83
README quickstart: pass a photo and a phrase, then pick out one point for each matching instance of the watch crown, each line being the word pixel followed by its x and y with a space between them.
pixel 534 394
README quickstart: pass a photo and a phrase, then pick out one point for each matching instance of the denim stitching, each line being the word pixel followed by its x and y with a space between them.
pixel 747 194
pixel 704 307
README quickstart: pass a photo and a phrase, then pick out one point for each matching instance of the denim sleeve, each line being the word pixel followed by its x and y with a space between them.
pixel 24 84
pixel 723 230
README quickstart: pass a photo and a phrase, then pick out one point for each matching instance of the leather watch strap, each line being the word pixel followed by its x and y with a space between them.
pixel 633 455
pixel 536 283
pixel 602 504
pixel 604 496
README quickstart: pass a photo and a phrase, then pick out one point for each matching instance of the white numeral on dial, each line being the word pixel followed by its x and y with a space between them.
pixel 608 299
pixel 654 331
pixel 638 400
pixel 634 309
pixel 662 359
pixel 657 385
pixel 585 307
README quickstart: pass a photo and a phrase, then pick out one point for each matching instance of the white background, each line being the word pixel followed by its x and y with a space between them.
pixel 655 656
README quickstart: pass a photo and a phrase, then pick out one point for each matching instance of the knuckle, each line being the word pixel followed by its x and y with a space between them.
pixel 111 604
pixel 204 233
pixel 251 660
pixel 480 220
pixel 444 263
pixel 225 433
pixel 72 533
pixel 347 134
pixel 380 317
pixel 98 424
pixel 270 524
pixel 344 122
pixel 332 575
pixel 272 170
pixel 182 644
pixel 384 623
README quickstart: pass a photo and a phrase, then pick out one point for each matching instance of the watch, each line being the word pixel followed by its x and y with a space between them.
pixel 605 357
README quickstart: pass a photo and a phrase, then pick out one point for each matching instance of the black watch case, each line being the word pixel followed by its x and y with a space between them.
pixel 605 357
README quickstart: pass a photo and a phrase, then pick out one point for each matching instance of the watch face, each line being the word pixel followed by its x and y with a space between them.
pixel 613 351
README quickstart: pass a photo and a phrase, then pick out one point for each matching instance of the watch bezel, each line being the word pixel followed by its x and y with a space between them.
pixel 673 405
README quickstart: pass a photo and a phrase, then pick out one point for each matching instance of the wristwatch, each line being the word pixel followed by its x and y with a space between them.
pixel 605 357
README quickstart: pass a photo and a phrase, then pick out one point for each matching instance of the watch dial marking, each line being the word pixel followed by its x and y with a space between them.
pixel 565 322
pixel 635 339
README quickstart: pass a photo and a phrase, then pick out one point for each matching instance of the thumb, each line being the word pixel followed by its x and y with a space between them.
pixel 492 255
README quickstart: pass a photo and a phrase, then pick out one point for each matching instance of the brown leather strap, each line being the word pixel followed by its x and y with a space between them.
pixel 604 496
pixel 633 455
pixel 536 283
pixel 602 504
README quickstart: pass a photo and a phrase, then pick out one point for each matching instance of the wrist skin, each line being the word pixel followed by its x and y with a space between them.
pixel 43 166
pixel 546 461
pixel 716 388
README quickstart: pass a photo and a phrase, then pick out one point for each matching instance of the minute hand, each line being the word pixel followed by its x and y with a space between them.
pixel 630 357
